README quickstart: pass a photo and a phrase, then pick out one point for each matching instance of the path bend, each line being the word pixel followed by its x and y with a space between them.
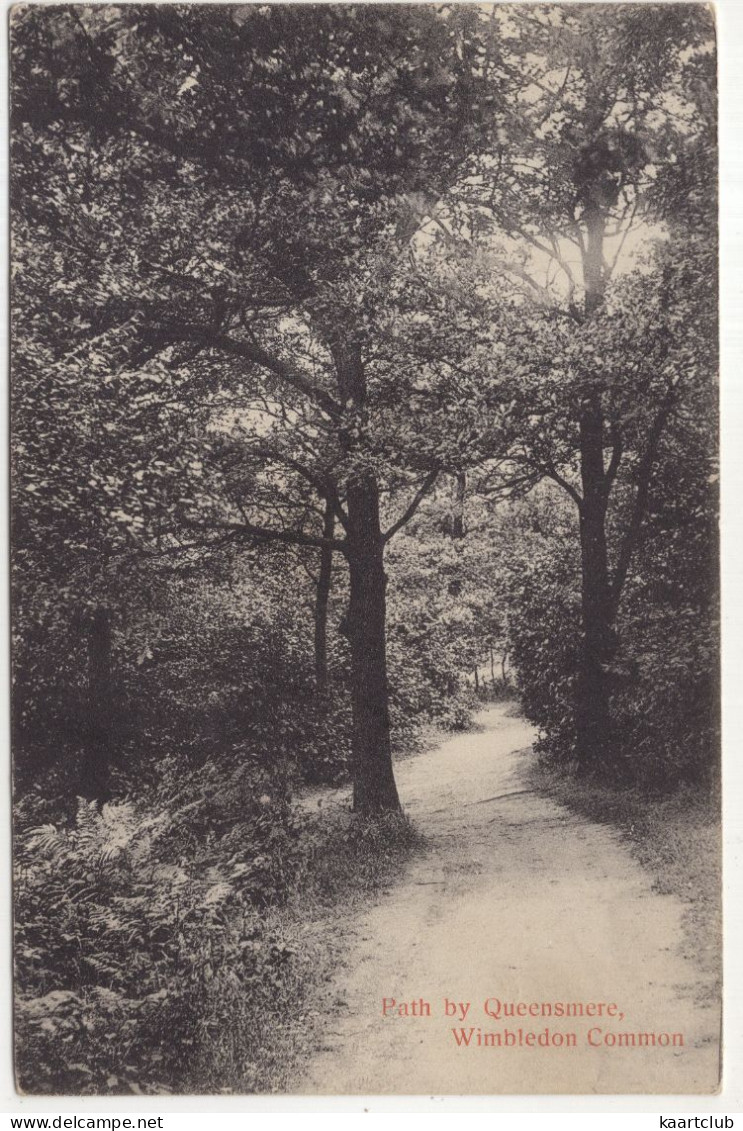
pixel 513 897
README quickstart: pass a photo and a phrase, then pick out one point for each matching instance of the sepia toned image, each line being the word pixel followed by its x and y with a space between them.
pixel 364 476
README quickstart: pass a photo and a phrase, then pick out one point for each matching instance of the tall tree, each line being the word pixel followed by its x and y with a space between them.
pixel 217 191
pixel 604 112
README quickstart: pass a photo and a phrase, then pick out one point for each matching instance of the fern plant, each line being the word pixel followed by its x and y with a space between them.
pixel 132 932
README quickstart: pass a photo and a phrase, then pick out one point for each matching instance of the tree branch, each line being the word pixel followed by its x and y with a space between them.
pixel 639 510
pixel 324 488
pixel 614 462
pixel 407 514
pixel 552 473
pixel 238 531
pixel 250 351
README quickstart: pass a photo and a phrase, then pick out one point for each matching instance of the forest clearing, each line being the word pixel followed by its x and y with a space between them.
pixel 365 547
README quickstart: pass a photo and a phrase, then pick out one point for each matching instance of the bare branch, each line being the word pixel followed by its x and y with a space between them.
pixel 407 514
pixel 245 531
pixel 207 338
pixel 614 462
pixel 324 487
pixel 552 473
pixel 639 510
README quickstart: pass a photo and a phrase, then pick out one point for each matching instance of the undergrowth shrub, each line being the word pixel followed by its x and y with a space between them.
pixel 664 677
pixel 162 945
pixel 544 625
pixel 132 919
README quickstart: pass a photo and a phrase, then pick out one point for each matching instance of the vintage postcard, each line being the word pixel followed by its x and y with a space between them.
pixel 365 549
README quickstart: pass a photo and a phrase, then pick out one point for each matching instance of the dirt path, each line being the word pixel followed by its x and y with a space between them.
pixel 514 898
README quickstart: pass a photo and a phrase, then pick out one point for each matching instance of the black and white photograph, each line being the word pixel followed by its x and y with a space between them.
pixel 365 587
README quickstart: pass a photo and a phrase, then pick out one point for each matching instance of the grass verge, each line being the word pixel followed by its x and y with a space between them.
pixel 261 1045
pixel 676 838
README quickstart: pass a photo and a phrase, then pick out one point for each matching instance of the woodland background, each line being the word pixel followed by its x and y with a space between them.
pixel 364 368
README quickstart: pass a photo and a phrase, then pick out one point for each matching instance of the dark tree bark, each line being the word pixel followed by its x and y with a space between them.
pixel 95 768
pixel 322 596
pixel 460 488
pixel 457 524
pixel 374 789
pixel 592 719
pixel 601 589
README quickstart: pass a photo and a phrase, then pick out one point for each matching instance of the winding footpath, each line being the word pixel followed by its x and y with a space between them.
pixel 513 899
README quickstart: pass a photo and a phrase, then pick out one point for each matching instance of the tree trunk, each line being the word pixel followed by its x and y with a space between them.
pixel 97 756
pixel 374 789
pixel 322 596
pixel 592 718
pixel 593 725
pixel 460 488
